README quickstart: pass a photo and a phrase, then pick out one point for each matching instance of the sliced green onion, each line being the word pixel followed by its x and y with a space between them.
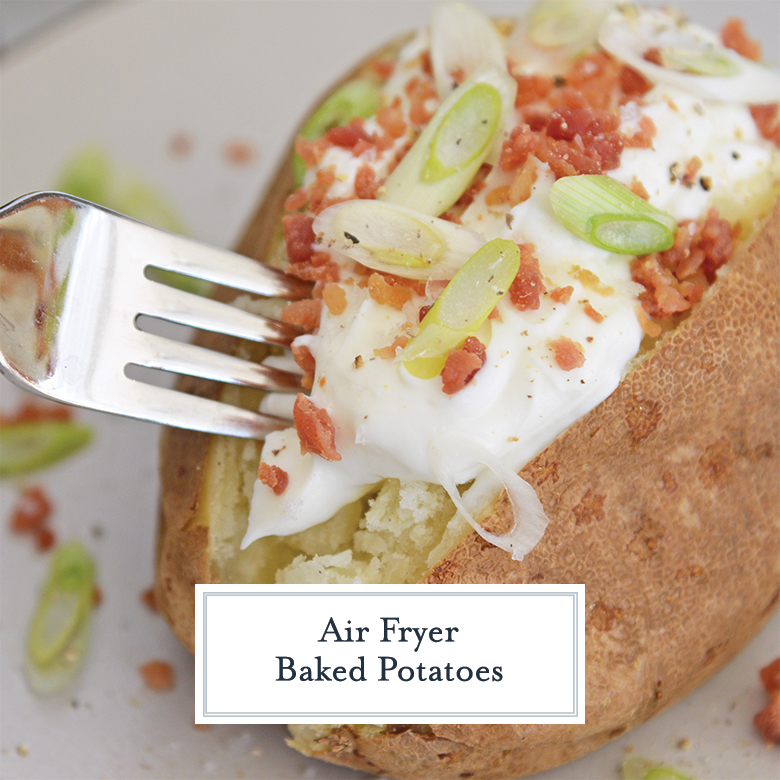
pixel 603 212
pixel 463 38
pixel 462 308
pixel 397 240
pixel 553 23
pixel 442 162
pixel 29 446
pixel 705 62
pixel 358 97
pixel 60 625
pixel 638 768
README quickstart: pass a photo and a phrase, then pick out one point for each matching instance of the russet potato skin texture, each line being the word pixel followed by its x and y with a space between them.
pixel 664 501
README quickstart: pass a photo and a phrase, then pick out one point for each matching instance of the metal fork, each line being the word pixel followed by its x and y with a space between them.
pixel 76 278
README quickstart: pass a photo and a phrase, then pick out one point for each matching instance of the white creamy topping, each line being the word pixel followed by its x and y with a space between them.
pixel 391 424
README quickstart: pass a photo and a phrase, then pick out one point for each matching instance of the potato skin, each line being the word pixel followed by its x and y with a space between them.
pixel 664 501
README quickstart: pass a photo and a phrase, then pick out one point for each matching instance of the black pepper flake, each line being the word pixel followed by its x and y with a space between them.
pixel 359 361
pixel 706 183
pixel 351 238
pixel 559 81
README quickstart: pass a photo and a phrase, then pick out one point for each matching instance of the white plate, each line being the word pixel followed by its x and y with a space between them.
pixel 131 77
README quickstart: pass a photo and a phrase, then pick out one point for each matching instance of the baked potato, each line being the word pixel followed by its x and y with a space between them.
pixel 663 500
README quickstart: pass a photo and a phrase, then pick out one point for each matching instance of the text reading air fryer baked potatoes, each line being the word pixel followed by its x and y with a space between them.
pixel 390 654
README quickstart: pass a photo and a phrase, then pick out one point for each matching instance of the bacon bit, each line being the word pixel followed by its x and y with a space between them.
pixel 767 119
pixel 149 599
pixel 316 431
pixel 318 190
pixel 654 55
pixel 157 675
pixel 383 68
pixel 348 136
pixel 298 237
pixel 366 184
pixel 305 314
pixel 639 189
pixel 419 93
pixel 297 200
pixel 643 137
pixel 462 365
pixel 391 119
pixel 691 169
pixel 567 354
pixel 387 353
pixel 633 83
pixel 97 596
pixel 240 153
pixel 272 476
pixel 768 720
pixel 522 185
pixel 305 361
pixel 562 294
pixel 33 508
pixel 532 88
pixel 592 313
pixel 527 287
pixel 650 328
pixel 311 152
pixel 318 268
pixel 593 81
pixel 44 539
pixel 335 298
pixel 385 290
pixel 734 36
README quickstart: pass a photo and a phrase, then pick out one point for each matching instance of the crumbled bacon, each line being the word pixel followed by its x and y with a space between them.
pixel 297 200
pixel 391 119
pixel 643 137
pixel 633 83
pixel 735 37
pixel 420 92
pixel 388 291
pixel 305 314
pixel 31 515
pixel 157 675
pixel 532 88
pixel 390 351
pixel 767 119
pixel 316 431
pixel 298 237
pixel 319 188
pixel 462 365
pixel 37 411
pixel 592 313
pixel 335 298
pixel 149 599
pixel 676 278
pixel 562 294
pixel 768 720
pixel 527 287
pixel 305 361
pixel 567 354
pixel 348 136
pixel 366 183
pixel 273 477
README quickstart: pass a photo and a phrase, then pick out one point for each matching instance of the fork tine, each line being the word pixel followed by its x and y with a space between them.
pixel 185 308
pixel 156 351
pixel 220 266
pixel 183 410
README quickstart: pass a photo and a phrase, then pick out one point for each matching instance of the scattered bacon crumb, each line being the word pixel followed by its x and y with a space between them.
pixel 462 365
pixel 522 185
pixel 31 516
pixel 305 361
pixel 767 119
pixel 386 353
pixel 386 290
pixel 157 675
pixel 768 720
pixel 527 287
pixel 44 539
pixel 692 167
pixel 639 189
pixel 335 298
pixel 366 183
pixel 315 429
pixel 240 153
pixel 419 92
pixel 97 596
pixel 591 280
pixel 593 314
pixel 383 68
pixel 735 37
pixel 149 599
pixel 274 477
pixel 305 314
pixel 567 354
pixel 562 294
pixel 649 327
pixel 643 137
pixel 297 200
pixel 298 237
pixel 391 119
pixel 633 83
